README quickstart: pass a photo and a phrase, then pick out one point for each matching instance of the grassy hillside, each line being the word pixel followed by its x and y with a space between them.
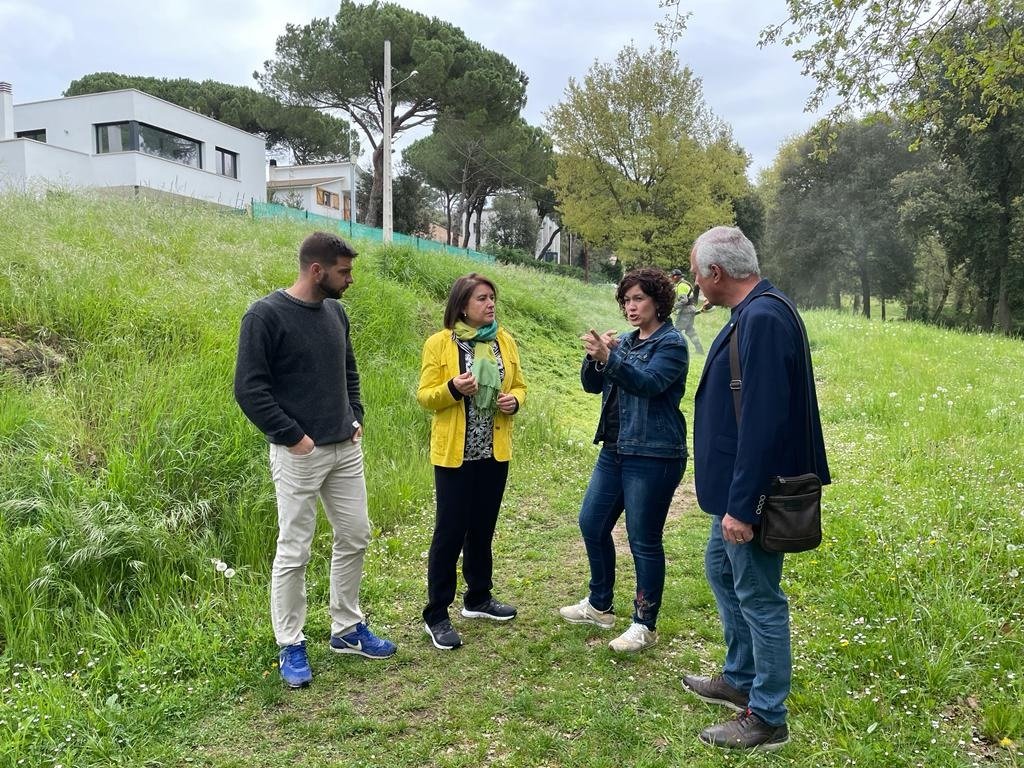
pixel 125 472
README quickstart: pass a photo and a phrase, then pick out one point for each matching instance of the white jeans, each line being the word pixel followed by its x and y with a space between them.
pixel 334 473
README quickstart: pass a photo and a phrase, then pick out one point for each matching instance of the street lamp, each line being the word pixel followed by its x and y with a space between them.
pixel 387 216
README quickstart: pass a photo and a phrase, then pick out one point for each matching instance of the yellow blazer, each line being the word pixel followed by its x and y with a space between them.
pixel 440 364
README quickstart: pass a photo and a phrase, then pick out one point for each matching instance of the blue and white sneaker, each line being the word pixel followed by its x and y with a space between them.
pixel 363 642
pixel 294 666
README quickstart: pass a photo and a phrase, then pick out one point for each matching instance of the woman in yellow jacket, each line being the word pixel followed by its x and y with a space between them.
pixel 471 380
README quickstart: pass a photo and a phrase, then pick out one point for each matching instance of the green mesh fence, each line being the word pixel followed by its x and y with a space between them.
pixel 357 231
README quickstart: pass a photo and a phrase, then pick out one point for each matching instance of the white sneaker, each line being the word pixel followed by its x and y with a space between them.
pixel 584 613
pixel 634 639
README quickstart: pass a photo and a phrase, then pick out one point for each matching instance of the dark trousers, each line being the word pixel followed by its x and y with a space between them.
pixel 468 499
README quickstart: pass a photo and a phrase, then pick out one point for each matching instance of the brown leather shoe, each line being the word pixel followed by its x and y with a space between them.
pixel 715 690
pixel 747 731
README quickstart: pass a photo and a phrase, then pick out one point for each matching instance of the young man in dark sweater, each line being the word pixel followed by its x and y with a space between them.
pixel 296 380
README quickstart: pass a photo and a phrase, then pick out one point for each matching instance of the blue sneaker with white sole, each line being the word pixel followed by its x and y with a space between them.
pixel 294 666
pixel 363 642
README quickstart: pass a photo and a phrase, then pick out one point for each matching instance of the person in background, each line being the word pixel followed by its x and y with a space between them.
pixel 641 379
pixel 296 380
pixel 735 457
pixel 472 382
pixel 686 308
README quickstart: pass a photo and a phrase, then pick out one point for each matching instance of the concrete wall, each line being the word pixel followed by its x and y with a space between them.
pixel 27 164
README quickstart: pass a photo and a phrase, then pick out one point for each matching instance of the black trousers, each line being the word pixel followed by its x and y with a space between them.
pixel 468 499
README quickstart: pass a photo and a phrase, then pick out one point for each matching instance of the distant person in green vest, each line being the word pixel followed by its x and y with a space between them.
pixel 685 309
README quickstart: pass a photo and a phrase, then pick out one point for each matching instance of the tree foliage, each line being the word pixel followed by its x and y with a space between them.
pixel 643 166
pixel 869 53
pixel 834 225
pixel 413 201
pixel 311 136
pixel 338 64
pixel 514 223
pixel 977 187
pixel 468 162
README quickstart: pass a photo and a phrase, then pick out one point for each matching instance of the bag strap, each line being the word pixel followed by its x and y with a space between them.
pixel 735 371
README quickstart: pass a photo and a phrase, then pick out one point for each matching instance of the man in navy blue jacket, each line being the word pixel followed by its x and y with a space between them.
pixel 733 465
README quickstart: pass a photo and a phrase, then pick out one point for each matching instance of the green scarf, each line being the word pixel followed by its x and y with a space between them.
pixel 485 366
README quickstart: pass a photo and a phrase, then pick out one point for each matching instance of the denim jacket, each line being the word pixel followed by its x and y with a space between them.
pixel 651 377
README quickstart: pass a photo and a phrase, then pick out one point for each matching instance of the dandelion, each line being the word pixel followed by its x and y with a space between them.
pixel 221 566
pixel 1006 741
pixel 1014 573
pixel 229 573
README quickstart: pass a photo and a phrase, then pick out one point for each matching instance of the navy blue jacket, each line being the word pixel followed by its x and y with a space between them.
pixel 733 467
pixel 651 377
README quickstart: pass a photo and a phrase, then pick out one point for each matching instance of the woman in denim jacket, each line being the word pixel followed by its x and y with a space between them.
pixel 641 379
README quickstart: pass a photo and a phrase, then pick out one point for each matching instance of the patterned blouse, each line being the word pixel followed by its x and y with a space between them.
pixel 479 427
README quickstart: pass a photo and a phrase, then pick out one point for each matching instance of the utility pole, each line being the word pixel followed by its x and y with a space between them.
pixel 388 220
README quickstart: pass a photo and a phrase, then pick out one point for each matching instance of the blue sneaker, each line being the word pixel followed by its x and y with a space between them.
pixel 362 641
pixel 294 666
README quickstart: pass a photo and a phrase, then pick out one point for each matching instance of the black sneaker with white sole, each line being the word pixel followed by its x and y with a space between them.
pixel 443 635
pixel 490 609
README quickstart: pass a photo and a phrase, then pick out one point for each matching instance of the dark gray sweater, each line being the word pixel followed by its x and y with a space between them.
pixel 296 373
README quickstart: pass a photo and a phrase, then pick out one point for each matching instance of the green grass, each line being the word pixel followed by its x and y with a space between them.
pixel 125 473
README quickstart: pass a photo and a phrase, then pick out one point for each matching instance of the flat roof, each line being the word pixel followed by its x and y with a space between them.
pixel 303 182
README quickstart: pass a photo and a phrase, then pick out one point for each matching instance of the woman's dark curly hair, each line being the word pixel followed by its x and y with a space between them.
pixel 654 283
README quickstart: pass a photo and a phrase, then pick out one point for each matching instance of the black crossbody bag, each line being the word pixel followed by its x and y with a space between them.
pixel 790 508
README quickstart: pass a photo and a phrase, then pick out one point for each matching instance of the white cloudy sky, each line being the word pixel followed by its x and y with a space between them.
pixel 45 44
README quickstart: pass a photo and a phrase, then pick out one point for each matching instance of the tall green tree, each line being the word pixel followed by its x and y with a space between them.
pixel 413 201
pixel 514 223
pixel 310 135
pixel 834 226
pixel 984 156
pixel 338 64
pixel 643 166
pixel 478 160
pixel 869 54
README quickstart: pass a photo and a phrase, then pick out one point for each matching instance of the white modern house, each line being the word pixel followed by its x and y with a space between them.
pixel 131 141
pixel 327 189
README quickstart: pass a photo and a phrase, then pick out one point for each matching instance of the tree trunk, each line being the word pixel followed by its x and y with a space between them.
pixel 448 203
pixel 467 223
pixel 856 304
pixel 865 290
pixel 883 308
pixel 548 244
pixel 456 231
pixel 476 227
pixel 943 297
pixel 1003 305
pixel 837 298
pixel 585 254
pixel 373 205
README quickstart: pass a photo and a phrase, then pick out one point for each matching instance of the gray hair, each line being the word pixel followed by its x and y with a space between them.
pixel 730 249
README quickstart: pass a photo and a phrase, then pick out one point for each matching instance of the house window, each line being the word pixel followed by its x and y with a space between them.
pixel 37 135
pixel 114 137
pixel 227 163
pixel 140 137
pixel 326 198
pixel 180 149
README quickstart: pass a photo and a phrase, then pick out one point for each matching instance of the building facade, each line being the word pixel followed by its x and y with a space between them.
pixel 326 189
pixel 128 140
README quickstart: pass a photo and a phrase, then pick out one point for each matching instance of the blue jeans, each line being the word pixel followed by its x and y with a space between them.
pixel 643 487
pixel 755 616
